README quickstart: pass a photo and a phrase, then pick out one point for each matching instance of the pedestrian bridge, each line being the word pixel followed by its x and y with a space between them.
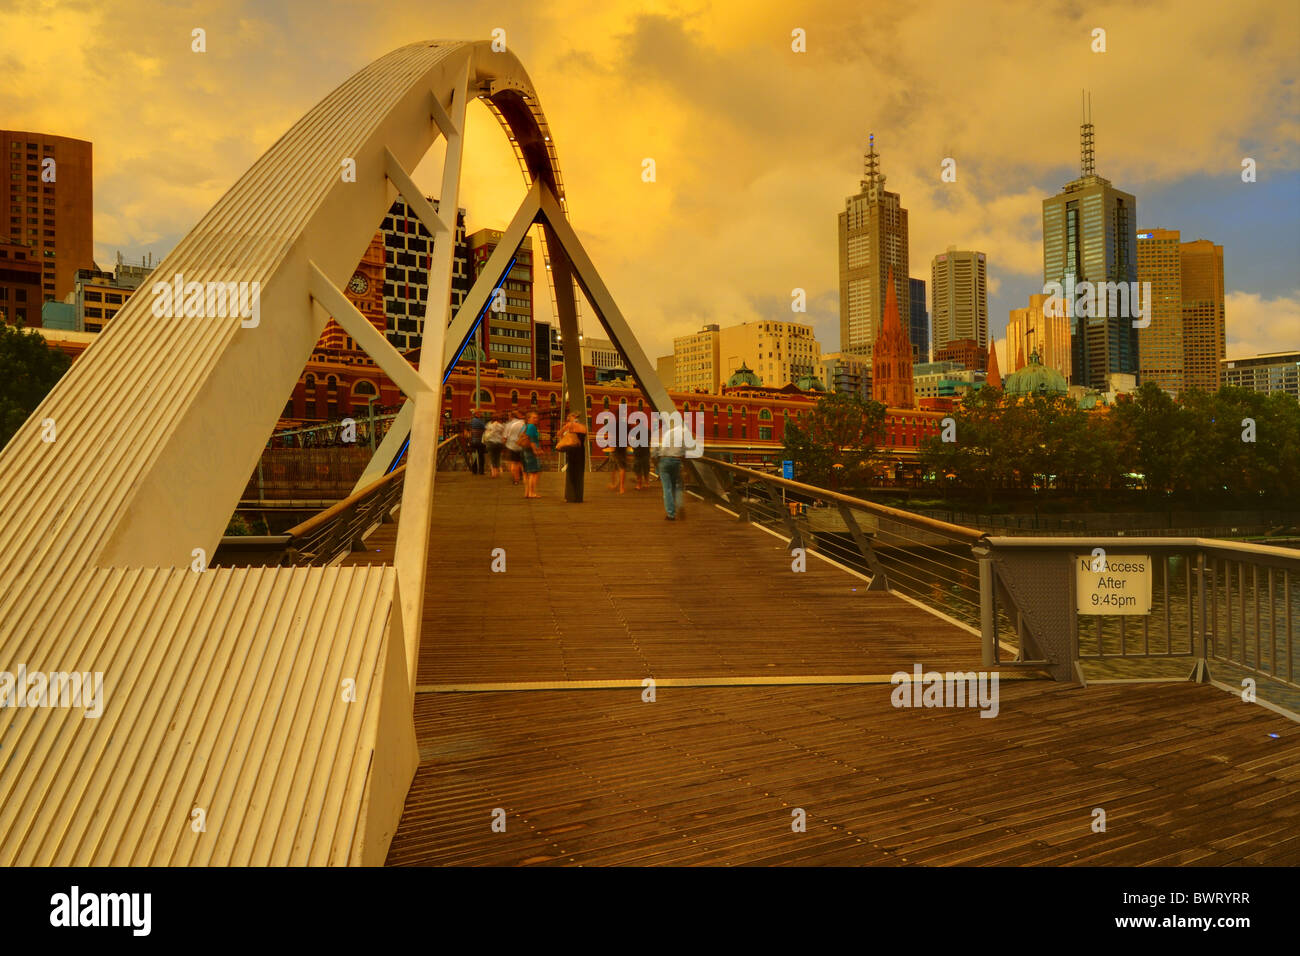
pixel 346 695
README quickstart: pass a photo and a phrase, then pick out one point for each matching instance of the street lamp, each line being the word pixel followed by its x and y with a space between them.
pixel 474 351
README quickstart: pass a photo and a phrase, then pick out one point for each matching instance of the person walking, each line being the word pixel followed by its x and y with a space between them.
pixel 641 465
pixel 477 449
pixel 573 443
pixel 618 461
pixel 672 454
pixel 493 439
pixel 514 458
pixel 530 444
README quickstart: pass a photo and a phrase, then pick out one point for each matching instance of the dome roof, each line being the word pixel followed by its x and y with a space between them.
pixel 744 376
pixel 1035 379
pixel 811 383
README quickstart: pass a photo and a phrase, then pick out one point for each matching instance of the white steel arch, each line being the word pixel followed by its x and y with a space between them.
pixel 224 737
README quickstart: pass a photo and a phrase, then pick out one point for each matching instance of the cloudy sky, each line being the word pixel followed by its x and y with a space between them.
pixel 756 146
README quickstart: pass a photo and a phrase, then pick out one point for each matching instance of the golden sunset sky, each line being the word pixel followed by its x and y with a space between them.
pixel 756 146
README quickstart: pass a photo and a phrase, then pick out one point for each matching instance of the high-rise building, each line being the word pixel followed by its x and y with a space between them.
pixel 1203 313
pixel 509 329
pixel 891 358
pixel 1160 344
pixel 1184 345
pixel 959 299
pixel 873 244
pixel 1090 235
pixel 49 206
pixel 1031 330
pixel 408 252
pixel 20 285
pixel 696 361
pixel 548 352
pixel 920 331
pixel 778 352
pixel 1267 373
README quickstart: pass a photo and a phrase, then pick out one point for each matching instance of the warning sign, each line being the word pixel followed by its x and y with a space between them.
pixel 1113 583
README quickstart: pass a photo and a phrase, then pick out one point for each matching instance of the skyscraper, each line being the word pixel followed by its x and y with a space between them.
pixel 1090 235
pixel 959 296
pixel 510 334
pixel 1184 345
pixel 920 322
pixel 408 250
pixel 49 206
pixel 1160 345
pixel 873 243
pixel 1031 330
pixel 1204 319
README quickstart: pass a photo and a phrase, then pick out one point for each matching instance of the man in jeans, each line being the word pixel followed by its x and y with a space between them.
pixel 672 452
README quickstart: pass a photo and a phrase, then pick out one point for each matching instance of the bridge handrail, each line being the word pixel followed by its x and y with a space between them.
pixel 956 531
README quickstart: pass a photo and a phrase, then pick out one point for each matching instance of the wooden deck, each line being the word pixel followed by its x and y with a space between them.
pixel 608 592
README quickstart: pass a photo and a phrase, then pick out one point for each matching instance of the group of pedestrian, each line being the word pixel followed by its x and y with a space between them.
pixel 493 436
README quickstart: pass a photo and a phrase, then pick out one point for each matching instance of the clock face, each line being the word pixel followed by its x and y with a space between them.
pixel 358 284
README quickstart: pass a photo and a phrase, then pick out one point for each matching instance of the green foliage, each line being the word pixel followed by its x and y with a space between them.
pixel 238 526
pixel 29 368
pixel 1188 450
pixel 838 444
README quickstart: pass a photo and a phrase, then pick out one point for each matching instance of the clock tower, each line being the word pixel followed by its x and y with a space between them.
pixel 365 290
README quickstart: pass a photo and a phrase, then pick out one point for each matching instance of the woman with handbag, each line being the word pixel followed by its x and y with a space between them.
pixel 573 443
pixel 530 444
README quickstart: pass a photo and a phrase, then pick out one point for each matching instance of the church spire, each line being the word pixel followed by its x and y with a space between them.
pixel 993 376
pixel 891 355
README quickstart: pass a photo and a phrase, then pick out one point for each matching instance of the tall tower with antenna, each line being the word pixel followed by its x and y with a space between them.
pixel 1086 165
pixel 873 241
pixel 1090 235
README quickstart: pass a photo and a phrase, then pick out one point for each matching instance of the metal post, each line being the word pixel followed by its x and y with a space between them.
pixel 988 631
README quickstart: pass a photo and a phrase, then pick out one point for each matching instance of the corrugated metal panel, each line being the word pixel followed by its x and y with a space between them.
pixel 222 691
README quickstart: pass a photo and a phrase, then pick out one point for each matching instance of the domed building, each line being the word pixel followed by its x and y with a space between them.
pixel 1035 378
pixel 810 383
pixel 744 377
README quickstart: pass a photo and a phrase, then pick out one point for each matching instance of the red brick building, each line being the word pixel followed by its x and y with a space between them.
pixel 20 285
pixel 966 351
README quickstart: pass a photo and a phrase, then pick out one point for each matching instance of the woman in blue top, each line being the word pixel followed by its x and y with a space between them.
pixel 532 456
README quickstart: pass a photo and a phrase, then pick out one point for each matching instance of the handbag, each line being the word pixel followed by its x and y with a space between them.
pixel 567 440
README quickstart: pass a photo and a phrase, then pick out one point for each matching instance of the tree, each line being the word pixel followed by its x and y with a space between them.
pixel 839 444
pixel 29 368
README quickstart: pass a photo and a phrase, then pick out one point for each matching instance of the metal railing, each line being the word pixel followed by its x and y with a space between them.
pixel 334 533
pixel 929 561
pixel 1229 602
pixel 1233 603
